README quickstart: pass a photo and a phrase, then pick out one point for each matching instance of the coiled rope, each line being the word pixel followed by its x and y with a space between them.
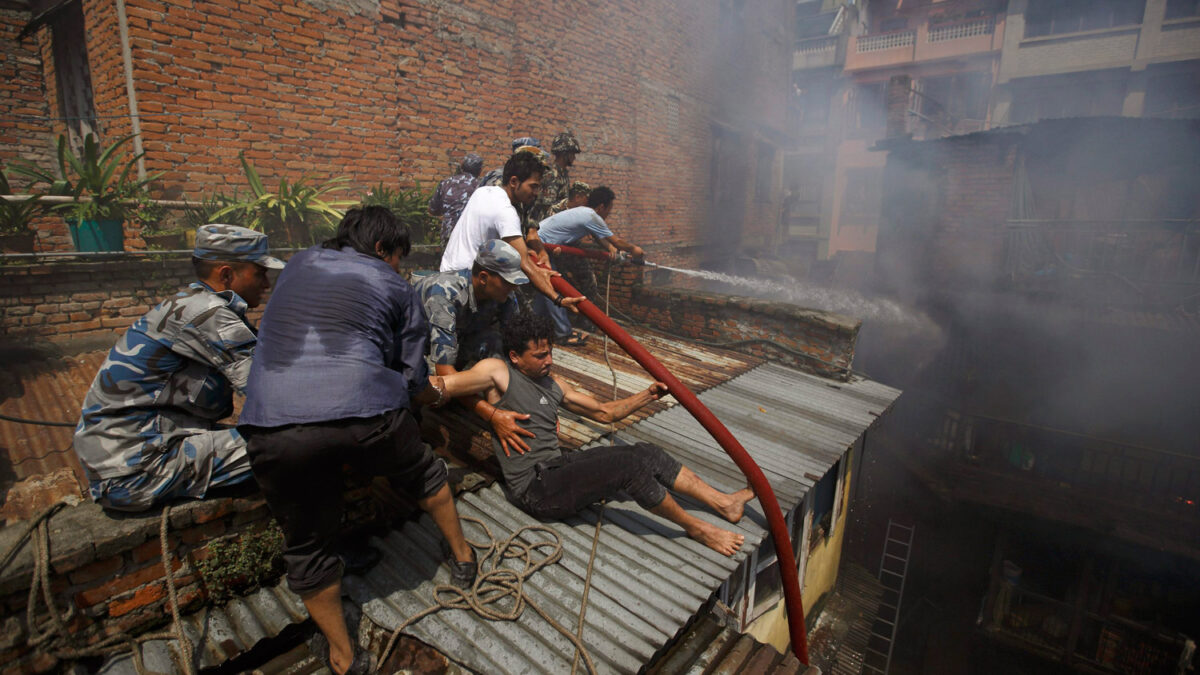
pixel 37 532
pixel 496 583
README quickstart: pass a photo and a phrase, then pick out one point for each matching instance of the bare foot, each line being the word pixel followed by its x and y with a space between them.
pixel 721 541
pixel 737 505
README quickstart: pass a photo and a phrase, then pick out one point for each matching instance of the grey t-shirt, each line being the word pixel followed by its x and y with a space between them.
pixel 540 400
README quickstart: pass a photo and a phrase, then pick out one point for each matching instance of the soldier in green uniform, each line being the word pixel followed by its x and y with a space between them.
pixel 556 182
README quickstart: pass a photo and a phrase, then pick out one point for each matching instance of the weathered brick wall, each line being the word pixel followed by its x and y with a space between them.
pixel 945 210
pixel 107 569
pixel 69 301
pixel 397 90
pixel 96 301
pixel 22 95
pixel 813 341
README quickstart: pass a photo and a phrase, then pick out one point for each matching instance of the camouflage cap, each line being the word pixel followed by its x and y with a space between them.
pixel 230 243
pixel 499 257
pixel 541 154
pixel 472 164
pixel 525 140
pixel 579 188
pixel 565 142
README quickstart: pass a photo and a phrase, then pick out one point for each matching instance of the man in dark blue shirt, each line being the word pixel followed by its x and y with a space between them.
pixel 339 367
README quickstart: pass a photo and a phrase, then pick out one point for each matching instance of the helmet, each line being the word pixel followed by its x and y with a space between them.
pixel 564 142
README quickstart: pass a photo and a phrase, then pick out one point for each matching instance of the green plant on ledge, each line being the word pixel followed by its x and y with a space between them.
pixel 298 212
pixel 411 206
pixel 17 216
pixel 105 176
pixel 242 564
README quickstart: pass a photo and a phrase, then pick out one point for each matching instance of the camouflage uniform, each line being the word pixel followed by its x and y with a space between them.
pixel 149 429
pixel 461 330
pixel 452 194
pixel 556 181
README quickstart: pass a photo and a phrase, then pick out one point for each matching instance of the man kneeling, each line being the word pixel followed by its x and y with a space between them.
pixel 548 482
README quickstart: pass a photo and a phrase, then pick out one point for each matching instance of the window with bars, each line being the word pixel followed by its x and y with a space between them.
pixel 75 100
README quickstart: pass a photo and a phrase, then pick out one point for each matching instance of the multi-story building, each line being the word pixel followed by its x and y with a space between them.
pixel 949 67
pixel 1105 57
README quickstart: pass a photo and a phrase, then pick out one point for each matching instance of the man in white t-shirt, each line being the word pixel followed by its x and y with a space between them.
pixel 491 214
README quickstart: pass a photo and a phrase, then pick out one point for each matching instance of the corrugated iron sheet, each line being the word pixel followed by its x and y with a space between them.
pixel 649 578
pixel 220 633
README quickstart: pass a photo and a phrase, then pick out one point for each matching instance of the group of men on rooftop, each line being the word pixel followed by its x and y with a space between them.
pixel 338 372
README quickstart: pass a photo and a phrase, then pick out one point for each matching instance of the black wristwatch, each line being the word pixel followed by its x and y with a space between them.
pixel 559 299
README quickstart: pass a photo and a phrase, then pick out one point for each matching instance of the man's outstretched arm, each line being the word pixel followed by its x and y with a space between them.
pixel 504 423
pixel 587 405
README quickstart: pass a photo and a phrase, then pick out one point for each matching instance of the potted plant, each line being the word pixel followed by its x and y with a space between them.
pixel 298 212
pixel 16 233
pixel 102 182
pixel 411 206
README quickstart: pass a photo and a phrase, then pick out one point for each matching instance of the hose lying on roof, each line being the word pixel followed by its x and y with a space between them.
pixel 762 488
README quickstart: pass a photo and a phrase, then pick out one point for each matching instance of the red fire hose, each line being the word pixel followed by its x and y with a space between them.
pixel 595 254
pixel 766 496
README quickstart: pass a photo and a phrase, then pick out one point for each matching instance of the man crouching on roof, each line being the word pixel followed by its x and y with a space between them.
pixel 547 482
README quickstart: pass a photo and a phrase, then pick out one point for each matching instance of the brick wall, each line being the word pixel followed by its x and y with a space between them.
pixel 94 300
pixel 107 569
pixel 753 326
pixel 22 95
pixel 397 90
pixel 945 210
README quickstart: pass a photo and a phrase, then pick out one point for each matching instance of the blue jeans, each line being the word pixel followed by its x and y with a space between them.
pixel 558 315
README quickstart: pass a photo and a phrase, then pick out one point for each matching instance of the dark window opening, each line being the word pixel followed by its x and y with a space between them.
pixel 1055 17
pixel 1182 9
pixel 764 172
pixel 824 494
pixel 870 106
pixel 74 77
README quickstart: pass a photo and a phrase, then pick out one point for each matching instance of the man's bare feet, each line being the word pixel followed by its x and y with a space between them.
pixel 721 541
pixel 737 505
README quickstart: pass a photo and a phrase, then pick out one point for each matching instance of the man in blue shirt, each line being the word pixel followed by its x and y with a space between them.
pixel 339 368
pixel 568 228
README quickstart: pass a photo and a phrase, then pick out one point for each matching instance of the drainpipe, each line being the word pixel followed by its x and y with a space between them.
pixel 766 496
pixel 134 119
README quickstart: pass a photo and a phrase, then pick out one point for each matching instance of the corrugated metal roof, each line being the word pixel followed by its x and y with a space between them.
pixel 649 578
pixel 221 633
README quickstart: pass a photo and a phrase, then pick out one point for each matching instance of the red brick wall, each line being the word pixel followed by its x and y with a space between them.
pixel 22 95
pixel 400 90
pixel 955 233
pixel 809 340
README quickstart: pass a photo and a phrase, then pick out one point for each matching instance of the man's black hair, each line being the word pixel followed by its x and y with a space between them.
pixel 522 165
pixel 524 328
pixel 599 196
pixel 362 227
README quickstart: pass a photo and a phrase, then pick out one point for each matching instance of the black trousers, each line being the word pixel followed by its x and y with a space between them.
pixel 568 483
pixel 299 468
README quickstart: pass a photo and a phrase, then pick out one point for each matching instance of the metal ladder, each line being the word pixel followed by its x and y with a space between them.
pixel 893 571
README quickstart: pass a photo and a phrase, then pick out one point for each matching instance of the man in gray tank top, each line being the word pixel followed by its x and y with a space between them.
pixel 549 482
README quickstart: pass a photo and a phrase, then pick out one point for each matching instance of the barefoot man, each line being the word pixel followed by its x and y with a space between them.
pixel 548 482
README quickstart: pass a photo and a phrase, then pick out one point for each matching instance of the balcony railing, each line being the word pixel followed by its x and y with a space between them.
pixel 875 43
pixel 1141 250
pixel 1068 634
pixel 825 43
pixel 966 29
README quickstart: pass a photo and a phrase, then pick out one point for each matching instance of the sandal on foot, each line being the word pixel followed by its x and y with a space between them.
pixel 575 339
